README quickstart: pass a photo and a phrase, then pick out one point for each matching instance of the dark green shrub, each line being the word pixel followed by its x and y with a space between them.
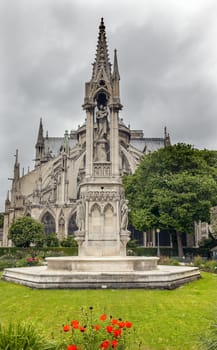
pixel 132 243
pixel 69 242
pixel 149 251
pixel 51 240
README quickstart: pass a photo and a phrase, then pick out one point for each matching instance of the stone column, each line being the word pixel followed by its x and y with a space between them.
pixel 63 187
pixel 57 225
pixel 114 140
pixel 145 239
pixel 118 225
pixel 89 140
pixel 66 226
pixel 153 237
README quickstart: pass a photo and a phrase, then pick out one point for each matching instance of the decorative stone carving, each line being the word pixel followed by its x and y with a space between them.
pixel 102 121
pixel 124 215
pixel 102 169
pixel 102 196
pixel 80 217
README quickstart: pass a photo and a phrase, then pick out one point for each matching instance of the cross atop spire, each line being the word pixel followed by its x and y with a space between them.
pixel 102 62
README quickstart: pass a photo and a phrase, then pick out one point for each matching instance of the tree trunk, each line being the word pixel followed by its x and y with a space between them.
pixel 179 243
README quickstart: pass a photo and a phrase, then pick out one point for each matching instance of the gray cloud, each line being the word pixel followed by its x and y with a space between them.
pixel 167 59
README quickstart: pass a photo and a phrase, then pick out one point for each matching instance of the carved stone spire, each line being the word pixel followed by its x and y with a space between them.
pixel 16 167
pixel 102 57
pixel 116 80
pixel 7 203
pixel 39 145
pixel 116 75
pixel 16 178
pixel 40 140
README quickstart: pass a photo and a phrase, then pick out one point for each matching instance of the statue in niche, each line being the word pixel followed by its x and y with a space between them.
pixel 124 216
pixel 102 121
pixel 80 217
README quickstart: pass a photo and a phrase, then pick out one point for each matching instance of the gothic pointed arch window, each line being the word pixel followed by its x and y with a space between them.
pixel 72 227
pixel 49 223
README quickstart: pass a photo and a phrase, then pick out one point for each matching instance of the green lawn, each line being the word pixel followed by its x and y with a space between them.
pixel 164 319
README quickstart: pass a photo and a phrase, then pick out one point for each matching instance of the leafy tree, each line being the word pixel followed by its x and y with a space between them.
pixel 172 188
pixel 25 231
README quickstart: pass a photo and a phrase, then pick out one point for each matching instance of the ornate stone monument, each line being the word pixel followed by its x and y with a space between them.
pixel 102 210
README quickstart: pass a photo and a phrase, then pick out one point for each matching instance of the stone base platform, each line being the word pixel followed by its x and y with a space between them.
pixel 68 277
pixel 102 264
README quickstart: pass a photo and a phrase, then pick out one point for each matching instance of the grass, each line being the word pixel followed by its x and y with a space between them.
pixel 165 320
pixel 20 336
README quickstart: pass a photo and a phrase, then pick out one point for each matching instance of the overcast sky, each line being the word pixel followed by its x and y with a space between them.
pixel 167 52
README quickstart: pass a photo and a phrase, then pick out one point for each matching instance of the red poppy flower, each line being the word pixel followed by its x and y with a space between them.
pixel 82 329
pixel 114 321
pixel 114 344
pixel 121 324
pixel 96 327
pixel 104 345
pixel 66 328
pixel 72 347
pixel 109 329
pixel 103 317
pixel 128 324
pixel 117 333
pixel 75 324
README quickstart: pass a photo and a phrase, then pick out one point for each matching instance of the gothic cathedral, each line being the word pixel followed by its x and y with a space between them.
pixel 75 187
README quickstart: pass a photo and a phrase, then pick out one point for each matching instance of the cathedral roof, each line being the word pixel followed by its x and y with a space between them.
pixel 148 144
pixel 54 145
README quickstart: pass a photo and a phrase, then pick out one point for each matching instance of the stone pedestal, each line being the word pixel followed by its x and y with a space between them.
pixel 103 264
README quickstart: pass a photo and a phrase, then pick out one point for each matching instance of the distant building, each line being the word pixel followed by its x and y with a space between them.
pixel 51 191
